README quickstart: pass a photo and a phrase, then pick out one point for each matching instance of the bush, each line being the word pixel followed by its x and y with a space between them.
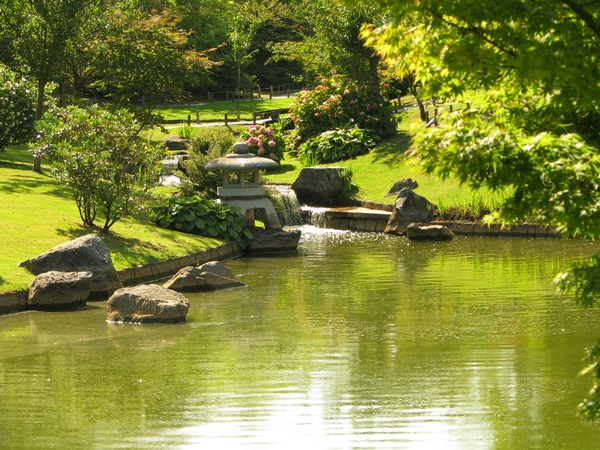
pixel 100 156
pixel 335 145
pixel 18 101
pixel 266 141
pixel 210 144
pixel 201 216
pixel 338 102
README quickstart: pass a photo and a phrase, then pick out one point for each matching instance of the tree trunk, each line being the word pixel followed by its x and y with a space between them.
pixel 239 74
pixel 373 62
pixel 37 161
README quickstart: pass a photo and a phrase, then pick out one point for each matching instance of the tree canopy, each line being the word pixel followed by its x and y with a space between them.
pixel 529 70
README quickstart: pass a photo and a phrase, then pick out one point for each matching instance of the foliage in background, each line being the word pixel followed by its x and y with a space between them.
pixel 17 109
pixel 532 71
pixel 211 143
pixel 338 102
pixel 99 155
pixel 203 216
pixel 266 141
pixel 335 145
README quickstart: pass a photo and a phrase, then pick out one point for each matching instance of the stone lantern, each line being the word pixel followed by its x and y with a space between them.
pixel 241 185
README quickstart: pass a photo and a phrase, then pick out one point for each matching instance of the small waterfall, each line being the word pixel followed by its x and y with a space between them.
pixel 169 167
pixel 316 216
pixel 286 204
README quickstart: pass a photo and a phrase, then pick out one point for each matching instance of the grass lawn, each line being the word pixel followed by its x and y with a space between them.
pixel 38 214
pixel 216 111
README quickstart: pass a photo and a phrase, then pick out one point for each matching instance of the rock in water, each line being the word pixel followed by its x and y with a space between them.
pixel 428 232
pixel 210 276
pixel 58 291
pixel 147 303
pixel 272 240
pixel 409 208
pixel 85 254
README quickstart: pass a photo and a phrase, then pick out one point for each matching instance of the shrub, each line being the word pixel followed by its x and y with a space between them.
pixel 338 102
pixel 335 145
pixel 202 216
pixel 266 141
pixel 209 144
pixel 18 100
pixel 100 156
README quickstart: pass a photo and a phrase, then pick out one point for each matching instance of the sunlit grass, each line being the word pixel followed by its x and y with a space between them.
pixel 37 214
pixel 216 111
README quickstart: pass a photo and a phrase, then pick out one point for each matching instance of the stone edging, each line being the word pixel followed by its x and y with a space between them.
pixel 13 302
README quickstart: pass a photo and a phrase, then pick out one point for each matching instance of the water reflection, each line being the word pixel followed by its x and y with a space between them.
pixel 357 341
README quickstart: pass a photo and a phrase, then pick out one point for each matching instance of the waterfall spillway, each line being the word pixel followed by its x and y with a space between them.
pixel 316 216
pixel 286 204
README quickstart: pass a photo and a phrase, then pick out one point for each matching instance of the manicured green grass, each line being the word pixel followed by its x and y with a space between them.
pixel 37 214
pixel 216 111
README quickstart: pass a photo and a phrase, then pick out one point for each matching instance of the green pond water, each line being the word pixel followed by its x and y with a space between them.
pixel 357 341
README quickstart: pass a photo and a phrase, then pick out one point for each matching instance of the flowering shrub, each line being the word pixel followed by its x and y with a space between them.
pixel 17 109
pixel 338 102
pixel 100 156
pixel 266 141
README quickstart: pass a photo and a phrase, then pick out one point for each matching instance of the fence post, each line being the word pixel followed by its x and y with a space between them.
pixel 189 120
pixel 288 93
pixel 251 94
pixel 226 120
pixel 259 93
pixel 254 118
pixel 189 96
pixel 197 116
pixel 270 92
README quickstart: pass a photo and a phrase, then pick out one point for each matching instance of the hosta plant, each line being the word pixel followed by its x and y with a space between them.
pixel 202 216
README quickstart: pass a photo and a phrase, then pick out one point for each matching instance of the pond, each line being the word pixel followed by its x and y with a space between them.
pixel 357 341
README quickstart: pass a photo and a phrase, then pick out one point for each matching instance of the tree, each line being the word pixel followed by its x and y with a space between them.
pixel 246 20
pixel 40 33
pixel 101 157
pixel 146 57
pixel 333 35
pixel 530 72
pixel 17 109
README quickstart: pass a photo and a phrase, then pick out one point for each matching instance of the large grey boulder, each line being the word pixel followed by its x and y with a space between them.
pixel 318 185
pixel 428 232
pixel 59 291
pixel 409 208
pixel 147 303
pixel 210 276
pixel 272 240
pixel 87 253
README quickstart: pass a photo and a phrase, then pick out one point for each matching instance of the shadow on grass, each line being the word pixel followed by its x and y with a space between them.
pixel 2 281
pixel 392 150
pixel 283 168
pixel 16 165
pixel 128 250
pixel 21 183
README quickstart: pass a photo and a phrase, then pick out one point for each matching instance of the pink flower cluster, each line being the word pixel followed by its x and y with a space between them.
pixel 259 137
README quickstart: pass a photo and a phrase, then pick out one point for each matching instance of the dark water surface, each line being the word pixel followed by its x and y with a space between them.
pixel 357 341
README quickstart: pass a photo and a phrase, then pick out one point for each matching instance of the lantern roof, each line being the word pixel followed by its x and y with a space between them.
pixel 239 160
